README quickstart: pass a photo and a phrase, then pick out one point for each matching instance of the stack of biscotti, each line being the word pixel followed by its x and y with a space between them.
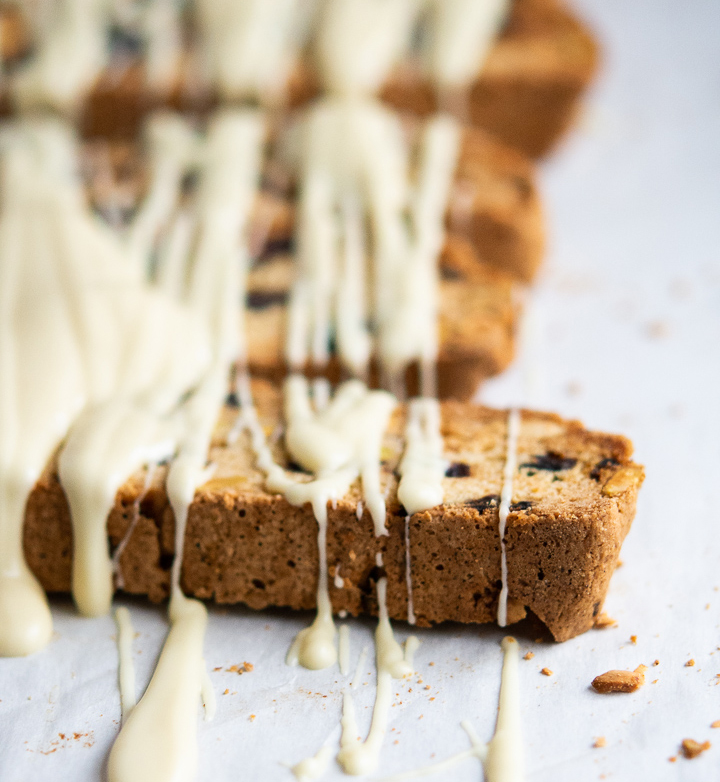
pixel 494 241
pixel 573 501
pixel 526 93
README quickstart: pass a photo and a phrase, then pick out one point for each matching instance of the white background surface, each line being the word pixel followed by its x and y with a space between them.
pixel 627 332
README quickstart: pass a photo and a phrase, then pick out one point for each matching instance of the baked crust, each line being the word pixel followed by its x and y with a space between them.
pixel 244 545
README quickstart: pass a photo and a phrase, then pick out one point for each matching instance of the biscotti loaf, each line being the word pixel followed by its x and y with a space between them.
pixel 573 502
pixel 526 93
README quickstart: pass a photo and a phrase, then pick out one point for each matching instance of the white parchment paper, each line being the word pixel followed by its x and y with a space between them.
pixel 626 336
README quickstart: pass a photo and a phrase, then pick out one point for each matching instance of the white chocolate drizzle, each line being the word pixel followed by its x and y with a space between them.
pixel 313 767
pixel 338 444
pixel 355 179
pixel 502 758
pixel 423 465
pixel 504 761
pixel 75 309
pixel 159 741
pixel 250 46
pixel 513 430
pixel 71 52
pixel 411 330
pixel 358 42
pixel 361 757
pixel 422 470
pixel 459 35
pixel 126 667
pixel 344 649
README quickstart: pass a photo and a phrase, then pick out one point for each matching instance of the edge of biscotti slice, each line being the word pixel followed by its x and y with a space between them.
pixel 572 506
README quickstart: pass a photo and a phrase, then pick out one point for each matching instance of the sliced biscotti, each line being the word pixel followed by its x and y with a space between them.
pixel 494 215
pixel 477 322
pixel 573 502
pixel 526 93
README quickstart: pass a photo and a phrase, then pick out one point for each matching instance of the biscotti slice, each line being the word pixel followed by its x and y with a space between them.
pixel 526 93
pixel 494 215
pixel 477 322
pixel 573 502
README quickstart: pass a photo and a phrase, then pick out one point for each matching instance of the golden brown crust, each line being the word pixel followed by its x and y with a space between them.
pixel 245 545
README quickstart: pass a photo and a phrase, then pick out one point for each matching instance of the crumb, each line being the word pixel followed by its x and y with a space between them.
pixel 431 663
pixel 427 686
pixel 620 563
pixel 672 759
pixel 715 724
pixel 240 669
pixel 690 663
pixel 707 606
pixel 546 672
pixel 654 681
pixel 633 640
pixel 603 620
pixel 252 718
pixel 599 742
pixel 227 692
pixel 432 699
pixel 657 329
pixel 538 640
pixel 219 668
pixel 528 656
pixel 573 388
pixel 656 663
pixel 620 681
pixel 691 748
pixel 397 741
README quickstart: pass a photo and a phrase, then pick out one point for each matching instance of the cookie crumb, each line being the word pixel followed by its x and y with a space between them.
pixel 245 667
pixel 715 724
pixel 672 759
pixel 656 663
pixel 599 742
pixel 657 329
pixel 690 663
pixel 603 620
pixel 691 748
pixel 546 672
pixel 633 640
pixel 528 656
pixel 620 681
pixel 252 718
